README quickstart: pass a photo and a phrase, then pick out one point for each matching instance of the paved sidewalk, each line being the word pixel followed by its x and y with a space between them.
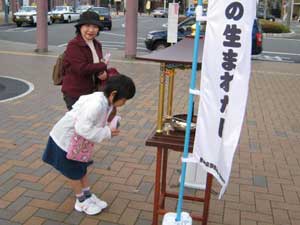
pixel 265 180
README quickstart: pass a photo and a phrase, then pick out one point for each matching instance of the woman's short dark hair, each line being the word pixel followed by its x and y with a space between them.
pixel 77 31
pixel 124 86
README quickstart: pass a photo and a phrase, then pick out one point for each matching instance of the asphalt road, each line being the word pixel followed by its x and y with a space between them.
pixel 59 33
pixel 283 49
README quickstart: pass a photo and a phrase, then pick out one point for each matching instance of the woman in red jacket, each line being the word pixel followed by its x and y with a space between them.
pixel 83 61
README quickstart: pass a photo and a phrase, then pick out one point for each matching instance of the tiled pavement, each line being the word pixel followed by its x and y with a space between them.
pixel 265 180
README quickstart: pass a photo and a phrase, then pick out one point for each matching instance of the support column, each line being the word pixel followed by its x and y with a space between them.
pixel 12 7
pixel 42 26
pixel 131 28
pixel 5 9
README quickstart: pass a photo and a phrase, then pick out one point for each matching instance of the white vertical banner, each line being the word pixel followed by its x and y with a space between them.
pixel 224 85
pixel 173 15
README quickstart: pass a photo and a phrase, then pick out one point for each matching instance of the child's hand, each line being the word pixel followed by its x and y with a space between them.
pixel 112 114
pixel 102 75
pixel 114 132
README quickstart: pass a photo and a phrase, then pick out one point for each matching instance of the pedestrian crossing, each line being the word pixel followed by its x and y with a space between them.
pixel 116 45
pixel 9 29
pixel 273 58
pixel 115 41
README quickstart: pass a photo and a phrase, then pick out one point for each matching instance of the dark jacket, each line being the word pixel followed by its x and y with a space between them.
pixel 79 67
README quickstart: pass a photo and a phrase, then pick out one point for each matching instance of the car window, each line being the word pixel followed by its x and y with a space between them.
pixel 101 11
pixel 83 7
pixel 186 25
pixel 27 9
pixel 60 8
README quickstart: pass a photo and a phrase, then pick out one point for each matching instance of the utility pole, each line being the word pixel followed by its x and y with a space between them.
pixel 42 26
pixel 12 6
pixel 131 28
pixel 286 12
pixel 289 12
pixel 265 8
pixel 5 7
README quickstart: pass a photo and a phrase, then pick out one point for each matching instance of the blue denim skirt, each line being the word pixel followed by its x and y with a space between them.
pixel 56 157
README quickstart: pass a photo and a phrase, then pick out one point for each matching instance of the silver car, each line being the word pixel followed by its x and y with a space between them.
pixel 160 12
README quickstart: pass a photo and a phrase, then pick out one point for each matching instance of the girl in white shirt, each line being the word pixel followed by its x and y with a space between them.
pixel 88 118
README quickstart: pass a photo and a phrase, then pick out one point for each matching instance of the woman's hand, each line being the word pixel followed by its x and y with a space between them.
pixel 114 132
pixel 102 75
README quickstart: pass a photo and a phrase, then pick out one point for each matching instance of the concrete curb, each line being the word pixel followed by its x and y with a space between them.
pixel 291 34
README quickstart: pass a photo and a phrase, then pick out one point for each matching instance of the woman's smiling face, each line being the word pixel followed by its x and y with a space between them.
pixel 89 31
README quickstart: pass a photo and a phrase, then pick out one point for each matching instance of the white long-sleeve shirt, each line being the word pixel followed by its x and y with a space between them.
pixel 88 118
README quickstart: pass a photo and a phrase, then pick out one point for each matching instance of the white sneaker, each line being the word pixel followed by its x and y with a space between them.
pixel 98 202
pixel 87 206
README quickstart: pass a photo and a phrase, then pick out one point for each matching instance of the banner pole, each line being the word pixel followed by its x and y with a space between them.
pixel 189 117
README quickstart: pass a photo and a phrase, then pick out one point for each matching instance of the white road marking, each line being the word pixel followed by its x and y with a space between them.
pixel 13 29
pixel 285 39
pixel 30 89
pixel 119 35
pixel 116 44
pixel 272 58
pixel 281 53
pixel 62 45
pixel 33 29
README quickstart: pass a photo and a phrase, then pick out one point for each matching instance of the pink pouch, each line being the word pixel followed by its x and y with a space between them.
pixel 80 149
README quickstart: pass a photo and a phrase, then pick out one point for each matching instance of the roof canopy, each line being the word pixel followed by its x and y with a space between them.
pixel 181 53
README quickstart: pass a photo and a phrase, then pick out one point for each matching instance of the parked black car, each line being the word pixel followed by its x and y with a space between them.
pixel 158 39
pixel 104 16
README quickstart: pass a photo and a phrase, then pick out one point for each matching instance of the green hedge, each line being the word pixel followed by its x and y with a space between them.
pixel 273 27
pixel 266 25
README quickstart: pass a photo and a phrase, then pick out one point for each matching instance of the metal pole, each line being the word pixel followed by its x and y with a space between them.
pixel 4 3
pixel 265 8
pixel 12 7
pixel 289 11
pixel 131 28
pixel 292 10
pixel 189 118
pixel 42 26
pixel 161 98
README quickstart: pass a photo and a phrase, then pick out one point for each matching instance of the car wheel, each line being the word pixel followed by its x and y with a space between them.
pixel 69 19
pixel 19 24
pixel 159 45
pixel 53 20
pixel 109 27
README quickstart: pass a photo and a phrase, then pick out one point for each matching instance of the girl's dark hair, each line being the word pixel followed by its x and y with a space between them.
pixel 124 86
pixel 77 31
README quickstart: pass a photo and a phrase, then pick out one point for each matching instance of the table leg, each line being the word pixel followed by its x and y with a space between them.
pixel 157 186
pixel 209 179
pixel 164 175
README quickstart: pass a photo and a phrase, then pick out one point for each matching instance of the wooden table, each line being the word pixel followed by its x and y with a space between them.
pixel 173 141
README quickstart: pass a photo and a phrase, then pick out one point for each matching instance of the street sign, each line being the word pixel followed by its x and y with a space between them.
pixel 173 14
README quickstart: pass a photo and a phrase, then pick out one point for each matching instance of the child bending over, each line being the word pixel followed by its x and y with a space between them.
pixel 88 118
